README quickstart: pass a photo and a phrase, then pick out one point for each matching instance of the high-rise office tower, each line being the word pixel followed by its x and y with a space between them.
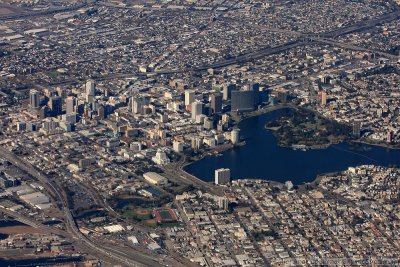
pixel 216 103
pixel 70 104
pixel 61 92
pixel 138 104
pixel 255 87
pixel 222 176
pixel 197 109
pixel 189 97
pixel 90 90
pixel 227 90
pixel 44 112
pixel 34 98
pixel 101 112
pixel 242 101
pixel 177 146
pixel 94 105
pixel 55 105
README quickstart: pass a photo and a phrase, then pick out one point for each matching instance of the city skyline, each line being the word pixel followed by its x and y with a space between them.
pixel 199 133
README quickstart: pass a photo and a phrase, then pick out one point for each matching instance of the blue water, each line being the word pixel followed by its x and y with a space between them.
pixel 261 158
pixel 8 223
pixel 40 262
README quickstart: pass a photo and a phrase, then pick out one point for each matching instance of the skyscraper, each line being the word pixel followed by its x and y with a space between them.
pixel 222 176
pixel 235 136
pixel 55 105
pixel 197 109
pixel 34 98
pixel 242 101
pixel 255 87
pixel 101 112
pixel 138 104
pixel 61 92
pixel 90 90
pixel 44 112
pixel 189 97
pixel 70 104
pixel 216 103
pixel 227 90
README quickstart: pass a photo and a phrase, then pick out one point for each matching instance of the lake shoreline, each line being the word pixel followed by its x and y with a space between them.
pixel 348 156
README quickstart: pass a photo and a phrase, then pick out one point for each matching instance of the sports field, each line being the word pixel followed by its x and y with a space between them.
pixel 165 215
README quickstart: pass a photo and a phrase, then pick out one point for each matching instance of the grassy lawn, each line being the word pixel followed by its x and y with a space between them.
pixel 150 223
pixel 137 214
pixel 52 74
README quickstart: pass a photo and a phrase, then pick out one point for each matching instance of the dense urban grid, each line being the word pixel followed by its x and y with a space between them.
pixel 104 103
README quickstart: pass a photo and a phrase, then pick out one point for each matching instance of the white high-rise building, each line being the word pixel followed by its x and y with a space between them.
pixel 235 136
pixel 138 103
pixel 90 90
pixel 227 91
pixel 197 142
pixel 161 158
pixel 222 176
pixel 190 96
pixel 178 146
pixel 34 98
pixel 197 109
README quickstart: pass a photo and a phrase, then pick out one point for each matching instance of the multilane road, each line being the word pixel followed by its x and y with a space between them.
pixel 42 12
pixel 303 40
pixel 133 258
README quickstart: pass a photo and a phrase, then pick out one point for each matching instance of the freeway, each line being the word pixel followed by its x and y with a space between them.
pixel 304 39
pixel 362 25
pixel 254 55
pixel 354 47
pixel 319 38
pixel 177 170
pixel 201 30
pixel 309 39
pixel 42 12
pixel 28 221
pixel 133 258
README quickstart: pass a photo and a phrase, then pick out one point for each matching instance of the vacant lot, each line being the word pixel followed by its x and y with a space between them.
pixel 20 229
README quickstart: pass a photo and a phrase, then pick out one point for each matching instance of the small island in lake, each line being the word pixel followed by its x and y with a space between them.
pixel 304 128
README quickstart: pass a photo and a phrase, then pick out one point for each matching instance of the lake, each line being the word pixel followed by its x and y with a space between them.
pixel 262 158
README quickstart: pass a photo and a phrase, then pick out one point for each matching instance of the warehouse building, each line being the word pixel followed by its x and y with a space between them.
pixel 155 178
